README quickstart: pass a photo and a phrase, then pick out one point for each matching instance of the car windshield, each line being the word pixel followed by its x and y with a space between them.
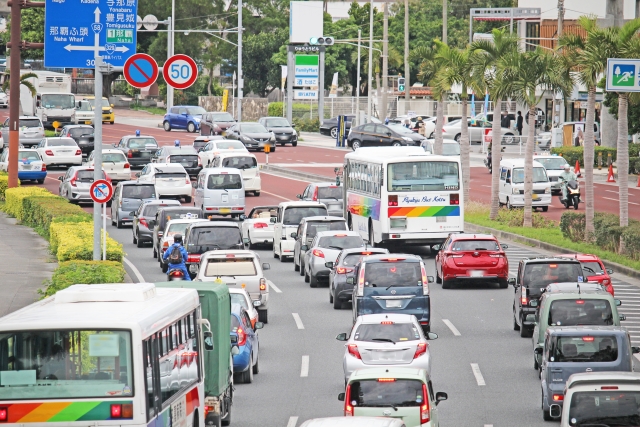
pixel 401 129
pixel 253 128
pixel 423 176
pixel 78 132
pixel 228 181
pixel 143 143
pixel 59 101
pixel 150 209
pixel 314 227
pixel 331 192
pixel 176 228
pixel 30 123
pixel 539 275
pixel 389 273
pixel 28 155
pixel 451 149
pixel 230 145
pixel 244 266
pixel 387 393
pixel 138 192
pixel 552 164
pixel 61 142
pixel 475 245
pixel 539 175
pixel 592 268
pixel 293 215
pixel 277 123
pixel 196 111
pixel 65 364
pixel 216 236
pixel 222 117
pixel 263 212
pixel 86 175
pixel 387 331
pixel 574 312
pixel 84 106
pixel 240 162
pixel 614 408
pixel 240 300
pixel 340 242
pixel 113 157
pixel 584 349
pixel 104 102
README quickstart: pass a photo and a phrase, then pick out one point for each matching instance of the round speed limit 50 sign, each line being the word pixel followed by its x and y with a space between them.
pixel 180 71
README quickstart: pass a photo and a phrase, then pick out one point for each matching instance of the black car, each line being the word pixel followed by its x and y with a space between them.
pixel 138 148
pixel 164 215
pixel 82 135
pixel 142 230
pixel 187 156
pixel 534 274
pixel 201 237
pixel 216 123
pixel 284 132
pixel 254 136
pixel 330 126
pixel 344 266
pixel 377 135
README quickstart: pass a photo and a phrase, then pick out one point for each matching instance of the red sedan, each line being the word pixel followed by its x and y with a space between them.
pixel 477 258
pixel 593 266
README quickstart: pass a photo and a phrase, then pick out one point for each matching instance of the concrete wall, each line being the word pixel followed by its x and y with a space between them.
pixel 252 108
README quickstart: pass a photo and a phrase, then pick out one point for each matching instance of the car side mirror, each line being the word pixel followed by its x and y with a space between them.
pixel 430 279
pixel 328 264
pixel 341 397
pixel 441 396
pixel 133 213
pixel 242 217
pixel 635 350
pixel 259 325
pixel 257 303
pixel 151 222
pixel 432 336
pixel 137 175
pixel 299 196
pixel 504 246
pixel 61 178
pixel 294 234
pixel 351 280
pixel 342 337
pixel 234 340
pixel 194 184
pixel 530 318
pixel 305 247
pixel 538 350
pixel 622 317
pixel 245 241
pixel 435 247
pixel 266 266
pixel 508 180
pixel 618 302
pixel 555 411
pixel 609 271
pixel 273 220
pixel 111 105
pixel 511 281
pixel 293 125
pixel 208 340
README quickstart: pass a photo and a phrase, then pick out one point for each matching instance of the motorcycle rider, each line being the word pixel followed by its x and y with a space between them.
pixel 566 176
pixel 177 244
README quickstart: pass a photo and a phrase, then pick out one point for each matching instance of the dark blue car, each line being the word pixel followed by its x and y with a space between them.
pixel 183 117
pixel 392 283
pixel 245 362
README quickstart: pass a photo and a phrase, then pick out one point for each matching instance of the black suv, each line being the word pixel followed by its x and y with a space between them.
pixel 201 237
pixel 534 274
pixel 138 148
pixel 160 223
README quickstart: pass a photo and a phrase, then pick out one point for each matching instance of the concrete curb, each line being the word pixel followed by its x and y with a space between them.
pixel 295 174
pixel 546 246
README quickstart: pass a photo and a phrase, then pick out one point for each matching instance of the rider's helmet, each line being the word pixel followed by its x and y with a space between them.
pixel 567 167
pixel 177 238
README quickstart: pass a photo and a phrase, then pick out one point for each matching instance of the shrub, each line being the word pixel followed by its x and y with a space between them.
pixel 634 165
pixel 4 183
pixel 307 125
pixel 573 154
pixel 15 196
pixel 631 239
pixel 275 109
pixel 84 272
pixel 515 218
pixel 74 241
pixel 607 234
pixel 572 225
pixel 39 212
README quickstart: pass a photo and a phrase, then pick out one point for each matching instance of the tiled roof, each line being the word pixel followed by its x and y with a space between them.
pixel 417 91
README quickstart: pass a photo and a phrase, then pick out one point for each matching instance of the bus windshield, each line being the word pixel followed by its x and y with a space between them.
pixel 423 176
pixel 63 364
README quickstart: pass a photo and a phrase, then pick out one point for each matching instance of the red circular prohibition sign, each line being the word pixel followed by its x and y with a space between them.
pixel 174 69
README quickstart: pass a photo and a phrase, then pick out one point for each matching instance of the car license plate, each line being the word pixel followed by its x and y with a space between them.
pixel 145 154
pixel 88 122
pixel 26 167
pixel 534 197
pixel 185 164
pixel 225 210
pixel 476 273
pixel 394 303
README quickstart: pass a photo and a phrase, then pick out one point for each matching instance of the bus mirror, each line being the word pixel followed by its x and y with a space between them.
pixel 208 341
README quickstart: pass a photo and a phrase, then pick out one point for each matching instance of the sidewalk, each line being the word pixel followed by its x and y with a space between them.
pixel 138 118
pixel 27 264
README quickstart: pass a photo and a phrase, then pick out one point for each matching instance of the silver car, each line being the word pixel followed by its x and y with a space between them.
pixel 31 131
pixel 325 192
pixel 326 246
pixel 453 130
pixel 386 340
pixel 127 197
pixel 307 230
pixel 75 184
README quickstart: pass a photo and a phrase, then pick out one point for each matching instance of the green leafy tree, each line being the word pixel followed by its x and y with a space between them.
pixel 32 28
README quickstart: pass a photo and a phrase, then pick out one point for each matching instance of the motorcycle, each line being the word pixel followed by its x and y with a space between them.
pixel 573 194
pixel 175 275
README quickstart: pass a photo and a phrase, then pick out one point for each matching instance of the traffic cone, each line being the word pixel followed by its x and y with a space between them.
pixel 577 168
pixel 638 185
pixel 610 174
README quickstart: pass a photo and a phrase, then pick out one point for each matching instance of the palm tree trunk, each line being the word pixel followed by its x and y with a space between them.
pixel 622 161
pixel 439 123
pixel 528 169
pixel 464 148
pixel 496 136
pixel 589 155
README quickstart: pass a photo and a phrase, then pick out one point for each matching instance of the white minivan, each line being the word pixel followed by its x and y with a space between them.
pixel 289 216
pixel 512 184
pixel 220 191
pixel 246 162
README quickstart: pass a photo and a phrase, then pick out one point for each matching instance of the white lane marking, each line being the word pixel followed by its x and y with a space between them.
pixel 135 271
pixel 274 287
pixel 476 373
pixel 637 356
pixel 304 369
pixel 455 330
pixel 488 425
pixel 616 200
pixel 286 177
pixel 275 195
pixel 298 320
pixel 292 422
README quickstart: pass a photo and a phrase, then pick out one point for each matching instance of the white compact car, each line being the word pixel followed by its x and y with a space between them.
pixel 174 226
pixel 216 146
pixel 257 228
pixel 248 165
pixel 59 151
pixel 114 163
pixel 289 216
pixel 241 297
pixel 554 166
pixel 170 179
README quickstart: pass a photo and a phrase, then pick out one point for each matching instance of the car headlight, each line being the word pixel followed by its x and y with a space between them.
pixel 406 138
pixel 197 119
pixel 273 138
pixel 44 117
pixel 547 190
pixel 245 138
pixel 515 191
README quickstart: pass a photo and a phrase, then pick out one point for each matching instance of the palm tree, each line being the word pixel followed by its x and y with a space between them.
pixel 395 61
pixel 457 68
pixel 24 82
pixel 490 54
pixel 530 74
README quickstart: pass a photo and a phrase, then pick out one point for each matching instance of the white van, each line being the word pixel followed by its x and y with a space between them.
pixel 246 162
pixel 289 216
pixel 354 422
pixel 512 184
pixel 220 191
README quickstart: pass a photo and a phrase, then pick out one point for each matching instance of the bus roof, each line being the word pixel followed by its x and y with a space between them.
pixel 394 154
pixel 105 306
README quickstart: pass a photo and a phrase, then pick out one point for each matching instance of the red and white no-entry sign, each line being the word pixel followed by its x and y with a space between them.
pixel 180 71
pixel 101 191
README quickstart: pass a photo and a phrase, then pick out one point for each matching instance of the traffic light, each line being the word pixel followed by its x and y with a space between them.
pixel 321 41
pixel 400 84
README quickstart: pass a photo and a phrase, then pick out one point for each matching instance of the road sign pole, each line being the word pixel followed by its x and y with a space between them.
pixel 169 55
pixel 97 156
pixel 321 85
pixel 104 231
pixel 240 73
pixel 291 65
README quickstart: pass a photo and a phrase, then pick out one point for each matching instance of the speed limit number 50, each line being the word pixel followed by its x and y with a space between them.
pixel 180 71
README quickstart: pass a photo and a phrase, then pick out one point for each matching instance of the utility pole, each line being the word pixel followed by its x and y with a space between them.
pixel 240 74
pixel 444 21
pixel 170 52
pixel 369 77
pixel 358 81
pixel 407 70
pixel 560 18
pixel 385 62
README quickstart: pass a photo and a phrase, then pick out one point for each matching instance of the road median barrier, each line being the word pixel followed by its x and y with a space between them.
pixel 290 173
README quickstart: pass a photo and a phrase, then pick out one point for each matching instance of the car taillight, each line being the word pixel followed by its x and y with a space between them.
pixel 393 200
pixel 127 166
pixel 348 409
pixel 424 408
pixel 260 225
pixel 73 179
pixel 558 397
pixel 361 281
pixel 425 281
pixel 127 410
pixel 315 195
pixel 524 301
pixel 588 339
pixel 187 180
pixel 4 415
pixel 193 258
pixel 242 337
pixel 318 253
pixel 44 167
pixel 144 222
pixel 422 349
pixel 386 380
pixel 609 387
pixel 130 154
pixel 78 152
pixel 48 153
pixel 263 284
pixel 353 350
pixel 454 199
pixel 343 270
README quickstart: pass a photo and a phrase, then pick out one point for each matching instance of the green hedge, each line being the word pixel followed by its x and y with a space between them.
pixel 15 196
pixel 84 272
pixel 4 184
pixel 39 212
pixel 74 241
pixel 573 154
pixel 307 125
pixel 275 108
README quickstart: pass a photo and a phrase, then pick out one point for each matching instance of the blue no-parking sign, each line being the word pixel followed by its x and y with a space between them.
pixel 140 70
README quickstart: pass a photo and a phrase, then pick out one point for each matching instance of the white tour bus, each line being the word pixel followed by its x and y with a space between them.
pixel 108 354
pixel 403 195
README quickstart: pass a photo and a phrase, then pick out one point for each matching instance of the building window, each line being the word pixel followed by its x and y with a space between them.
pixel 532 38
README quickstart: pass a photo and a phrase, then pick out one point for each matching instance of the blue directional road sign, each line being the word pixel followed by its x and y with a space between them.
pixel 75 29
